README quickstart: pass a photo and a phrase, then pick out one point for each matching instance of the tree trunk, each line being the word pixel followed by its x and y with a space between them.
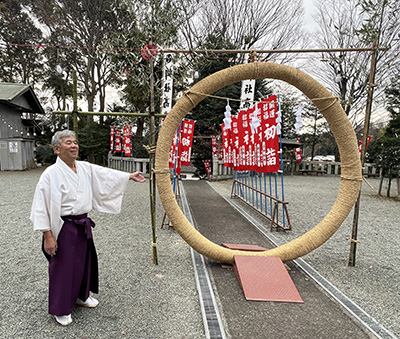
pixel 139 130
pixel 389 186
pixel 102 99
pixel 380 185
pixel 90 87
pixel 63 97
pixel 102 93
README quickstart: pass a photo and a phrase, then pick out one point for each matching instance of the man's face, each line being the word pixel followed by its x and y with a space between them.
pixel 68 150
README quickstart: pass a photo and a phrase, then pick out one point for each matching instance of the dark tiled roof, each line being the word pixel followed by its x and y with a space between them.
pixel 9 92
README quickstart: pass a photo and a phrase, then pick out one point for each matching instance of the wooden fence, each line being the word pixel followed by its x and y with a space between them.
pixel 128 164
pixel 330 168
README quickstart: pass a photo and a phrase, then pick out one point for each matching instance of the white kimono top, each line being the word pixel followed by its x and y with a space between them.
pixel 62 192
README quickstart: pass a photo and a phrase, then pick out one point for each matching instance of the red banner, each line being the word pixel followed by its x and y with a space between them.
pixel 270 139
pixel 235 144
pixel 220 153
pixel 298 153
pixel 361 142
pixel 186 142
pixel 112 135
pixel 227 146
pixel 258 135
pixel 246 140
pixel 181 146
pixel 252 143
pixel 127 145
pixel 214 146
pixel 173 157
pixel 117 141
pixel 207 165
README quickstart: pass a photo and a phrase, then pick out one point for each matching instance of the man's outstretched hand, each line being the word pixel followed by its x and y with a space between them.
pixel 137 176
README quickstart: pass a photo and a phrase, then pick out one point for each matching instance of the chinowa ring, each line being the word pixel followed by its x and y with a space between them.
pixel 329 107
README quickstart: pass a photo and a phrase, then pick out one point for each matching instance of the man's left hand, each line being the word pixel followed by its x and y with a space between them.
pixel 137 176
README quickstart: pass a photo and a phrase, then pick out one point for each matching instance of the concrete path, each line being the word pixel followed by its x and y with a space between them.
pixel 318 317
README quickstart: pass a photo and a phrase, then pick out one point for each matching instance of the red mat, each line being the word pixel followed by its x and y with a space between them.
pixel 244 247
pixel 265 279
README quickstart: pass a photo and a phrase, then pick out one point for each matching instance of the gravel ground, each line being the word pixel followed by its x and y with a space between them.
pixel 137 298
pixel 373 282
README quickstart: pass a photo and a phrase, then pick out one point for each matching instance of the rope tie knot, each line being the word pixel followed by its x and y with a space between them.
pixel 353 240
pixel 150 149
pixel 186 94
pixel 161 171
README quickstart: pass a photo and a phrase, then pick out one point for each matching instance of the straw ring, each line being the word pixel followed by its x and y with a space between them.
pixel 339 124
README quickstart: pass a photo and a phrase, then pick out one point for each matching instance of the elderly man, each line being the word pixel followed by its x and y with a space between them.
pixel 66 192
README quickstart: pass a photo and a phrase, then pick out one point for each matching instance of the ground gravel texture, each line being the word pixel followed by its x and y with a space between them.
pixel 373 283
pixel 137 298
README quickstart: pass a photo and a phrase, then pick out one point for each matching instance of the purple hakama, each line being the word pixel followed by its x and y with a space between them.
pixel 73 271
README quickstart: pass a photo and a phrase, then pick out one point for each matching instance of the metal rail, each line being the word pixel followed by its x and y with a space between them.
pixel 257 199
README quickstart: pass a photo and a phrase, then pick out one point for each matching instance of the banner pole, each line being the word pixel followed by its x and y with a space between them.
pixel 152 176
pixel 281 159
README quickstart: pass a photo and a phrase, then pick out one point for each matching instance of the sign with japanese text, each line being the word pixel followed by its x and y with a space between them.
pixel 167 84
pixel 247 93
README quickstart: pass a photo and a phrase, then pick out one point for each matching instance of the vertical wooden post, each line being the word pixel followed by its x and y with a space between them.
pixel 152 178
pixel 371 85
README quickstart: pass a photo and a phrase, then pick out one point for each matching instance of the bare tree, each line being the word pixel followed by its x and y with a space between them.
pixel 344 24
pixel 247 24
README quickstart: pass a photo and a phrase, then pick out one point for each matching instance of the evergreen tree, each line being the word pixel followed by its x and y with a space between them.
pixel 20 57
pixel 387 148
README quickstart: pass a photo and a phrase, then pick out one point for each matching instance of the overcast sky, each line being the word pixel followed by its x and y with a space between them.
pixel 309 10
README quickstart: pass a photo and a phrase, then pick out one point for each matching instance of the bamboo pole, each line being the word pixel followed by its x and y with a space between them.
pixel 371 85
pixel 152 178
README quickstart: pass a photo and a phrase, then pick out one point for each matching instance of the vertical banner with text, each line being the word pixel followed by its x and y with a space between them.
pixel 127 144
pixel 167 84
pixel 181 146
pixel 247 93
pixel 270 139
pixel 117 141
pixel 227 146
pixel 112 135
pixel 186 142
